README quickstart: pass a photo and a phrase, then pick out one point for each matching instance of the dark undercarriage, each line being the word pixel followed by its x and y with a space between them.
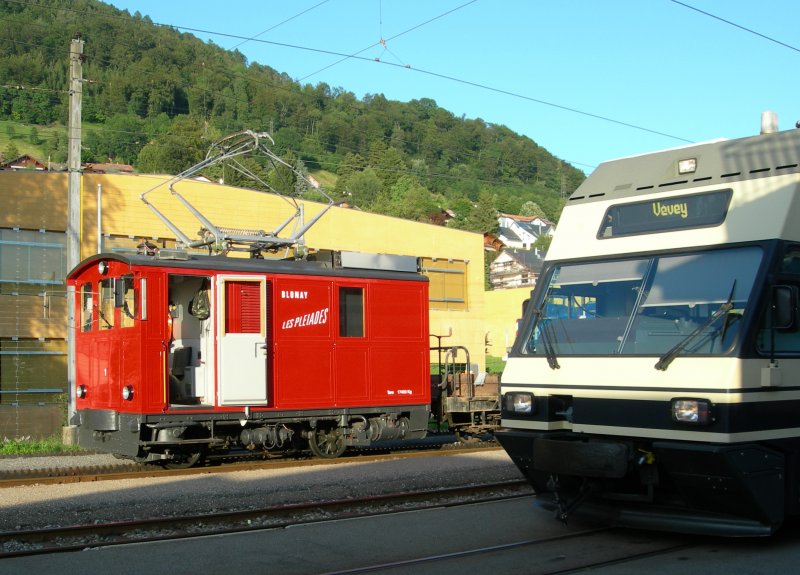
pixel 728 490
pixel 184 438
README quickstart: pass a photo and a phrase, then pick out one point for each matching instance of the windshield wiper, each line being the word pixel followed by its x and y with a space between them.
pixel 549 351
pixel 664 361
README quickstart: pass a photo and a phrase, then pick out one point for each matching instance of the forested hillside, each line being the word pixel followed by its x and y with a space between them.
pixel 156 98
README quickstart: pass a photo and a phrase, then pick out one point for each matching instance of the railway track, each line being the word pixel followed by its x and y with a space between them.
pixel 575 552
pixel 225 464
pixel 96 535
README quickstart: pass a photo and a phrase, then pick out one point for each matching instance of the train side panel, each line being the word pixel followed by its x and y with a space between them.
pixel 176 357
pixel 349 343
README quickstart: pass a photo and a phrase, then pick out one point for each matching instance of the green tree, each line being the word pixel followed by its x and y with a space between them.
pixel 56 147
pixel 407 199
pixel 481 218
pixel 181 148
pixel 119 140
pixel 10 152
pixel 530 208
pixel 33 136
pixel 160 80
pixel 283 179
pixel 363 188
pixel 543 242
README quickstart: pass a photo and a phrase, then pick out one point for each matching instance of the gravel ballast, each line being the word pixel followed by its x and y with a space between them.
pixel 37 506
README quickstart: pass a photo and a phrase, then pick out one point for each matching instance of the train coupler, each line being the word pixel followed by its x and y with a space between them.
pixel 564 507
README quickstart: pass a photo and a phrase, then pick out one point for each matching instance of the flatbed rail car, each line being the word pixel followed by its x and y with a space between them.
pixel 462 403
pixel 180 355
pixel 655 381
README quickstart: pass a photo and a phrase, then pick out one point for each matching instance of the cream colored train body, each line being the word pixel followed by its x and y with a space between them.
pixel 655 380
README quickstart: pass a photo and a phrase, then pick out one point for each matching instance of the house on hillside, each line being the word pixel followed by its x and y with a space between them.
pixel 24 162
pixel 491 243
pixel 516 268
pixel 107 168
pixel 521 232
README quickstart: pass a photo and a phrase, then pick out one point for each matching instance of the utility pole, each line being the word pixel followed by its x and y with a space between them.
pixel 73 221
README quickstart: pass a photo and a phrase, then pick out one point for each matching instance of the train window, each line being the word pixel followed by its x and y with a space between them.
pixel 105 308
pixel 791 261
pixel 243 306
pixel 128 301
pixel 86 307
pixel 646 306
pixel 351 312
pixel 776 341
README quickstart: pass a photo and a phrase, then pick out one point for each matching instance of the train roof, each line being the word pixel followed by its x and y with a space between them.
pixel 331 264
pixel 759 176
pixel 719 162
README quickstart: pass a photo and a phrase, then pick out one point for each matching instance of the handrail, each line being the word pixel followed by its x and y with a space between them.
pixel 452 353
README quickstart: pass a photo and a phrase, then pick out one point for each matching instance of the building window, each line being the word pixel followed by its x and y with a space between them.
pixel 32 371
pixel 447 283
pixel 32 257
pixel 351 312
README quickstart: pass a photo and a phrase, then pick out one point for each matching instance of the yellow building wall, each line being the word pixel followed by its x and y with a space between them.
pixel 39 201
pixel 33 201
pixel 503 309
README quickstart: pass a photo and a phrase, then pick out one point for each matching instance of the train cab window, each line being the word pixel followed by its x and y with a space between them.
pixel 106 305
pixel 785 342
pixel 351 312
pixel 128 304
pixel 87 308
pixel 791 261
pixel 781 341
pixel 693 303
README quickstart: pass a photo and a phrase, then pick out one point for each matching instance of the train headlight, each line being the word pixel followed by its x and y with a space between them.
pixel 127 392
pixel 80 392
pixel 519 402
pixel 694 411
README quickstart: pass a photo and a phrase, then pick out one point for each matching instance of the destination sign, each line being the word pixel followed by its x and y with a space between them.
pixel 666 214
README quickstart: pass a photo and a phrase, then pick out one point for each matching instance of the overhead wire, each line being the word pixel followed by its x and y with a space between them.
pixel 734 24
pixel 411 144
pixel 419 70
pixel 356 56
pixel 279 24
pixel 276 86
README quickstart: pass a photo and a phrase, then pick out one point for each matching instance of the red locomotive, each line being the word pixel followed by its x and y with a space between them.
pixel 178 355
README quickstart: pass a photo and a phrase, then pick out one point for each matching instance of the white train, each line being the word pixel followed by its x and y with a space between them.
pixel 655 380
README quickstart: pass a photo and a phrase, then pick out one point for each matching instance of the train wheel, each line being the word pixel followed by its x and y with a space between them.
pixel 183 459
pixel 327 443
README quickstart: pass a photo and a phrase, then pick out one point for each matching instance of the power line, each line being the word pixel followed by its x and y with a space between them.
pixel 384 40
pixel 750 30
pixel 453 79
pixel 279 24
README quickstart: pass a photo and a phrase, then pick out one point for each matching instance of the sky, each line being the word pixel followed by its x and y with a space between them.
pixel 588 80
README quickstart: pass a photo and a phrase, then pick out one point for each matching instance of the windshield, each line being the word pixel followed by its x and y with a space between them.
pixel 677 304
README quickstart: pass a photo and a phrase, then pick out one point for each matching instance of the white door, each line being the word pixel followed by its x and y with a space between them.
pixel 242 344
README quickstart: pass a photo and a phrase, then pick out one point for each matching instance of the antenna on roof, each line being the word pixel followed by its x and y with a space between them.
pixel 221 240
